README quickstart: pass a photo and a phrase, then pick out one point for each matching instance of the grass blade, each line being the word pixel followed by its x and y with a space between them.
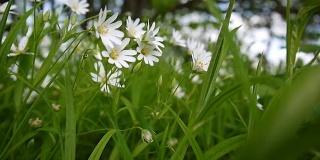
pixel 197 150
pixel 70 136
pixel 225 147
pixel 278 128
pixel 96 153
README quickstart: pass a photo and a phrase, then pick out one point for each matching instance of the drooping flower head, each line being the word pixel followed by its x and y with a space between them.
pixel 106 29
pixel 77 6
pixel 118 56
pixel 146 136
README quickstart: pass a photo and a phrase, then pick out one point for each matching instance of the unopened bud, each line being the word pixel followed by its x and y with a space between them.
pixel 136 67
pixel 146 136
pixel 40 17
pixel 30 144
pixel 74 19
pixel 159 83
pixel 37 123
pixel 172 142
pixel 46 16
pixel 56 107
pixel 66 22
pixel 174 82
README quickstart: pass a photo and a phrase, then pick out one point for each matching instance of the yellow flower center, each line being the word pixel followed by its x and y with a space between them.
pixel 74 7
pixel 114 54
pixel 102 29
pixel 132 32
pixel 145 51
pixel 200 64
pixel 18 52
pixel 104 80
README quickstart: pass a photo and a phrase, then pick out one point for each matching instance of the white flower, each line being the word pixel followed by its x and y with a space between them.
pixel 178 91
pixel 195 78
pixel 194 46
pixel 13 70
pixel 177 39
pixel 151 38
pixel 134 28
pixel 78 6
pixel 20 48
pixel 148 53
pixel 118 56
pixel 2 10
pixel 112 78
pixel 201 61
pixel 107 30
pixel 4 6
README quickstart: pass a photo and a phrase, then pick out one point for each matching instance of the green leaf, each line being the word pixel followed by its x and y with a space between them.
pixel 295 32
pixel 12 35
pixel 4 20
pixel 225 147
pixel 275 136
pixel 70 135
pixel 96 153
pixel 195 146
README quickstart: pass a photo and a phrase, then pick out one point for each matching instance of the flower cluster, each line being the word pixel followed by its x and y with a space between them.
pixel 119 50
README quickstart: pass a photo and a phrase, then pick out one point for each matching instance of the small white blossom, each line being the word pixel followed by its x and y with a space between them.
pixel 2 10
pixel 194 46
pixel 178 91
pixel 77 6
pixel 112 78
pixel 21 48
pixel 177 39
pixel 119 56
pixel 151 38
pixel 147 53
pixel 201 61
pixel 107 30
pixel 195 78
pixel 134 28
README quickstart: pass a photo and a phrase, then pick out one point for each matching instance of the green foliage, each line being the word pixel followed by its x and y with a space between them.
pixel 155 112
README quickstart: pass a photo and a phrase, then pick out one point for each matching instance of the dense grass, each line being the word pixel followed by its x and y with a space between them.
pixel 216 119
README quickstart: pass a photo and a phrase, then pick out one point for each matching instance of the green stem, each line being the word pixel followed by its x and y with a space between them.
pixel 70 136
pixel 289 66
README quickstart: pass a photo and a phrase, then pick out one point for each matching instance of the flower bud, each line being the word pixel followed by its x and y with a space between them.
pixel 172 142
pixel 40 17
pixel 56 107
pixel 74 19
pixel 46 16
pixel 136 67
pixel 66 22
pixel 146 136
pixel 30 144
pixel 37 123
pixel 159 83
